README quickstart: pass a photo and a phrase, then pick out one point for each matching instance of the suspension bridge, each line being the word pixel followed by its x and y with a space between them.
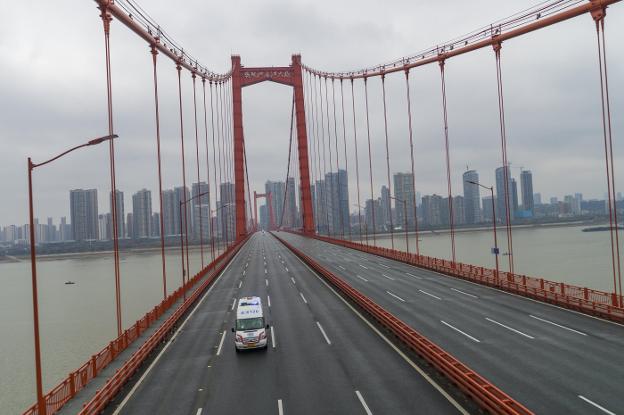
pixel 354 327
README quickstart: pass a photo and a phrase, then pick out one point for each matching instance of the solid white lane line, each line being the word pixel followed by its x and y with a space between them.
pixel 396 296
pixel 303 298
pixel 385 266
pixel 323 331
pixel 266 282
pixel 363 402
pixel 286 269
pixel 390 278
pixel 461 292
pixel 293 280
pixel 415 276
pixel 221 343
pixel 280 408
pixel 269 300
pixel 509 328
pixel 341 267
pixel 273 344
pixel 602 408
pixel 362 278
pixel 459 331
pixel 429 294
pixel 558 325
pixel 240 283
pixel 199 411
pixel 362 266
pixel 233 304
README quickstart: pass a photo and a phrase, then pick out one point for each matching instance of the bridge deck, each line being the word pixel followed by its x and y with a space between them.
pixel 550 359
pixel 323 357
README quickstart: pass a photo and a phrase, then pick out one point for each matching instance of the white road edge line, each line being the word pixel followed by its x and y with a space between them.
pixel 280 407
pixel 363 402
pixel 323 331
pixel 269 300
pixel 429 294
pixel 461 292
pixel 362 266
pixel 603 409
pixel 303 298
pixel 240 284
pixel 286 269
pixel 459 331
pixel 415 276
pixel 396 296
pixel 273 344
pixel 417 368
pixel 362 278
pixel 558 325
pixel 385 276
pixel 221 343
pixel 233 305
pixel 385 266
pixel 293 280
pixel 169 343
pixel 509 328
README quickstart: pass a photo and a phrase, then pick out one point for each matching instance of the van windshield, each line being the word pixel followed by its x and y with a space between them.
pixel 249 323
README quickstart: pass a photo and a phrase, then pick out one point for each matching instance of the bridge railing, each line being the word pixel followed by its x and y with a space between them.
pixel 583 299
pixel 78 379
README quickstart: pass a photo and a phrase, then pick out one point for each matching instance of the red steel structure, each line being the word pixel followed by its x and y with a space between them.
pixel 269 201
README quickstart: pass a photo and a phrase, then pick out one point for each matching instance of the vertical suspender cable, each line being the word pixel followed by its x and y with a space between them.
pixel 210 227
pixel 217 190
pixel 609 162
pixel 199 191
pixel 330 199
pixel 411 142
pixel 320 182
pixel 310 134
pixel 324 179
pixel 290 144
pixel 357 165
pixel 185 231
pixel 316 157
pixel 106 19
pixel 160 191
pixel 221 212
pixel 338 193
pixel 448 162
pixel 506 172
pixel 370 161
pixel 344 141
pixel 383 88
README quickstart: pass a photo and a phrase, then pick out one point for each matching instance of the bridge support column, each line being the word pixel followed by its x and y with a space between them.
pixel 239 162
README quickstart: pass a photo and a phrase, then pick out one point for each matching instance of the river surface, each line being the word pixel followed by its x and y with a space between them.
pixel 79 320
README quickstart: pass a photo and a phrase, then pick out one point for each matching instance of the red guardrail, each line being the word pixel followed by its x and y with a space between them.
pixel 78 379
pixel 488 396
pixel 586 300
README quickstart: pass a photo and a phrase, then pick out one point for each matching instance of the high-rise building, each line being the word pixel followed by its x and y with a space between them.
pixel 337 191
pixel 459 210
pixel 472 197
pixel 487 208
pixel 142 214
pixel 155 224
pixel 537 199
pixel 372 209
pixel 501 206
pixel 578 201
pixel 432 210
pixel 404 191
pixel 121 224
pixel 64 230
pixel 277 190
pixel 290 211
pixel 226 212
pixel 201 204
pixel 386 209
pixel 526 187
pixel 264 217
pixel 129 226
pixel 514 195
pixel 105 226
pixel 321 214
pixel 84 214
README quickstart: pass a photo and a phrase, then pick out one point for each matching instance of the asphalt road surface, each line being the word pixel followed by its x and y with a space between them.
pixel 322 357
pixel 552 360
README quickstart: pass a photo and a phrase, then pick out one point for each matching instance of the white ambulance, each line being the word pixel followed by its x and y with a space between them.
pixel 251 330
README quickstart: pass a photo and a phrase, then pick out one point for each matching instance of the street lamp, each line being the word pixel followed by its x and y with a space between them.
pixel 495 249
pixel 41 406
pixel 405 216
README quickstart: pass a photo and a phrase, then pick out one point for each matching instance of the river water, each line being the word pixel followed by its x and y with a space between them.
pixel 78 320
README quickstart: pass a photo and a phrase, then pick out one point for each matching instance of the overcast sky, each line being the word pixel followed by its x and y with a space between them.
pixel 52 93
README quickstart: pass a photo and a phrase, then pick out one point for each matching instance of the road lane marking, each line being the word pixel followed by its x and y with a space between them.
pixel 415 276
pixel 273 344
pixel 385 266
pixel 362 266
pixel 221 343
pixel 341 267
pixel 266 282
pixel 465 293
pixel 233 304
pixel 280 407
pixel 459 331
pixel 293 280
pixel 509 328
pixel 286 269
pixel 363 402
pixel 323 331
pixel 558 325
pixel 265 271
pixel 303 298
pixel 362 278
pixel 396 296
pixel 199 411
pixel 390 278
pixel 240 283
pixel 602 408
pixel 429 294
pixel 244 273
pixel 269 300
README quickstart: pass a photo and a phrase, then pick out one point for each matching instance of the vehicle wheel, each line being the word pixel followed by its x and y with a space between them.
pixel 237 349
